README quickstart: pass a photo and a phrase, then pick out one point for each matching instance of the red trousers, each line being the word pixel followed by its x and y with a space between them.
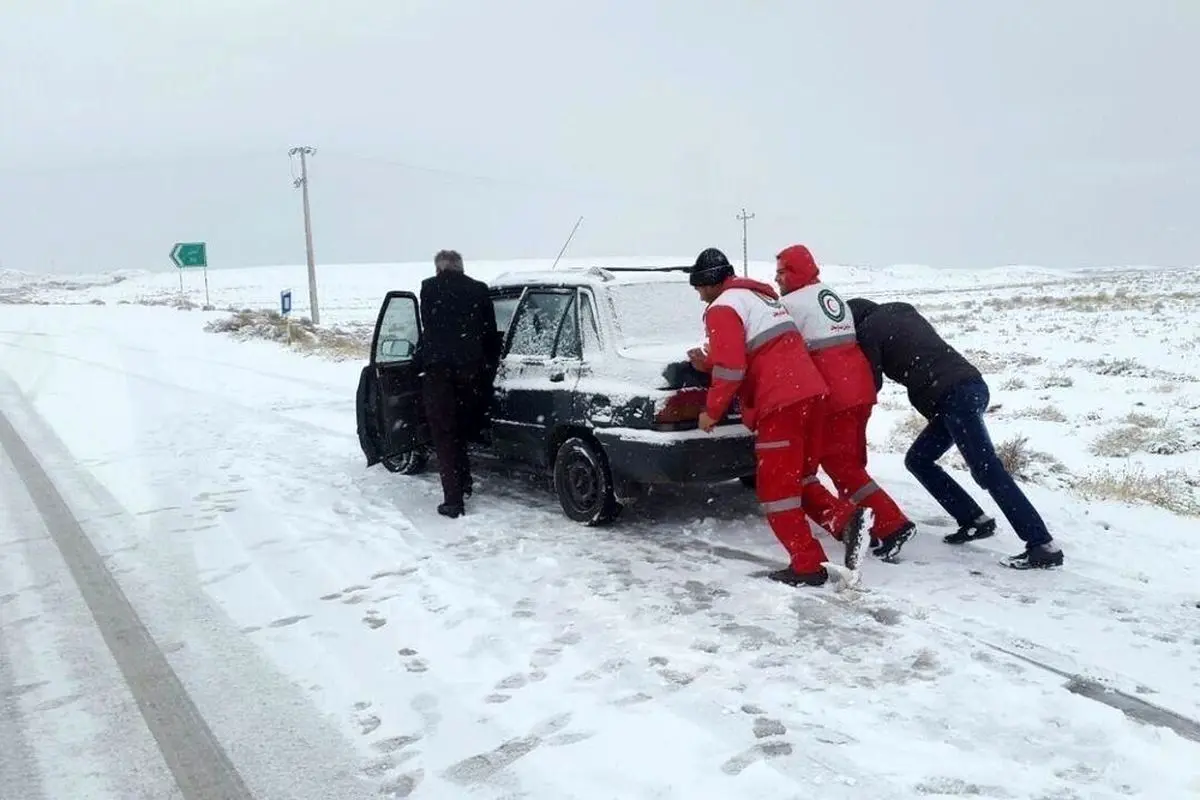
pixel 788 449
pixel 844 459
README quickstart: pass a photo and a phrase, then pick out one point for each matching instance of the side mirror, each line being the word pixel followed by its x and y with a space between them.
pixel 397 349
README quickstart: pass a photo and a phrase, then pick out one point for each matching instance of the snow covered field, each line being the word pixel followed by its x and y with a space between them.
pixel 338 635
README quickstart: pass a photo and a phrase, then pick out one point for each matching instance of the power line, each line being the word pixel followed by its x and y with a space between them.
pixel 744 217
pixel 302 183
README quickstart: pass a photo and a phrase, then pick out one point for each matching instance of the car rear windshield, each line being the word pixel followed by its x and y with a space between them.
pixel 667 312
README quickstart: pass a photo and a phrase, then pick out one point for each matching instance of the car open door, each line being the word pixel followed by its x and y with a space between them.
pixel 391 415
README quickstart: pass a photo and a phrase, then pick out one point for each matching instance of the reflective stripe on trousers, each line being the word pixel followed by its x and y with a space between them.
pixel 727 374
pixel 779 506
pixel 864 492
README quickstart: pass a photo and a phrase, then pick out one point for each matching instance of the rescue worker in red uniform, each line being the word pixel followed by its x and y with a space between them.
pixel 756 352
pixel 827 326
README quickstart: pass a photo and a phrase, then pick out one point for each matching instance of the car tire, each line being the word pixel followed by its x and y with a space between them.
pixel 584 483
pixel 410 463
pixel 749 481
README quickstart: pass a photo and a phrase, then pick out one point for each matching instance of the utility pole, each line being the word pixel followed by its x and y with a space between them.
pixel 744 217
pixel 302 183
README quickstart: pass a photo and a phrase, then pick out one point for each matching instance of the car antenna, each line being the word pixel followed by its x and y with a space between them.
pixel 567 242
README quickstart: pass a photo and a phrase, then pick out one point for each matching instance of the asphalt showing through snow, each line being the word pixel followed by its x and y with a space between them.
pixel 201 767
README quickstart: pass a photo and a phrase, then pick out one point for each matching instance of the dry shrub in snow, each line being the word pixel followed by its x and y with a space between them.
pixel 1119 300
pixel 993 363
pixel 1013 384
pixel 334 343
pixel 1057 381
pixel 903 432
pixel 1026 464
pixel 1129 368
pixel 1143 420
pixel 1143 433
pixel 1045 413
pixel 1173 490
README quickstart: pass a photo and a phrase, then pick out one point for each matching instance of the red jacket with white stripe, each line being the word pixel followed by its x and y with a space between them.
pixel 827 325
pixel 756 352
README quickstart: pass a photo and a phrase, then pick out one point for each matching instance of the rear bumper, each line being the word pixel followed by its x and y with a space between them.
pixel 646 456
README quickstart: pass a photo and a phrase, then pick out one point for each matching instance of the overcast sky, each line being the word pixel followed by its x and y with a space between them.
pixel 945 132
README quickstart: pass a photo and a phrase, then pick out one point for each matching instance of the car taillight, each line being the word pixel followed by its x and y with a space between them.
pixel 682 407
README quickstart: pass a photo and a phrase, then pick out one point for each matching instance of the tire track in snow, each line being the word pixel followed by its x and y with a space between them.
pixel 199 763
pixel 17 763
pixel 301 756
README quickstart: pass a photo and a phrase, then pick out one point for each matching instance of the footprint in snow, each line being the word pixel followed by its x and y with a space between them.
pixel 393 573
pixel 514 681
pixel 403 785
pixel 412 663
pixel 484 766
pixel 769 746
pixel 362 715
pixel 771 749
pixel 372 619
pixel 610 667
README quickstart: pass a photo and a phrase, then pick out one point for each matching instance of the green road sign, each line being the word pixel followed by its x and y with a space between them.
pixel 190 254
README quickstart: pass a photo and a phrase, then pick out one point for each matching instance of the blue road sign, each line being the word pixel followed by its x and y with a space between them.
pixel 285 302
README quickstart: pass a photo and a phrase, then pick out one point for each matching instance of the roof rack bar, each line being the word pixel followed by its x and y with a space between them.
pixel 647 269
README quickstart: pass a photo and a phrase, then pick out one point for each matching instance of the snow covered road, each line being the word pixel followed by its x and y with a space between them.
pixel 340 639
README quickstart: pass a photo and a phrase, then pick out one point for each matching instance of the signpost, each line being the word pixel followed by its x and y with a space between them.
pixel 285 308
pixel 189 255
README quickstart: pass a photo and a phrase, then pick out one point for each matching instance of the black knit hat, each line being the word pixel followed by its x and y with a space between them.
pixel 712 268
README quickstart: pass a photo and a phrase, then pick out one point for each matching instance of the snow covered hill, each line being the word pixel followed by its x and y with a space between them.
pixel 512 653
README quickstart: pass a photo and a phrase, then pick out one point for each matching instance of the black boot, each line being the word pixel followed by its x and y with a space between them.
pixel 854 538
pixel 451 510
pixel 889 546
pixel 792 578
pixel 1040 556
pixel 981 528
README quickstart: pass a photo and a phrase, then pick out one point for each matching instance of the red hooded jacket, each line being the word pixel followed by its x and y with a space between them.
pixel 756 352
pixel 827 325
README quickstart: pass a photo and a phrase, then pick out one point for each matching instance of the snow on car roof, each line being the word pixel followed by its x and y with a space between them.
pixel 588 276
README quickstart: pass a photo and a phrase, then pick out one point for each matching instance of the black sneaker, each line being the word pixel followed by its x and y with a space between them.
pixel 451 510
pixel 855 539
pixel 1042 556
pixel 980 529
pixel 889 546
pixel 792 578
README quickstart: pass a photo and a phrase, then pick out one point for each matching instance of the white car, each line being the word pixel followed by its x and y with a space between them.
pixel 593 387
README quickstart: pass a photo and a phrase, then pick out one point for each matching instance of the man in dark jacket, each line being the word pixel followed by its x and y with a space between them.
pixel 949 392
pixel 459 353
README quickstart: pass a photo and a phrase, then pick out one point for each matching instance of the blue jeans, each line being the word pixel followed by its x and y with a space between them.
pixel 959 421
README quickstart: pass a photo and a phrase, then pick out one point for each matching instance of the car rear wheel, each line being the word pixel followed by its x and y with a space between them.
pixel 409 463
pixel 584 484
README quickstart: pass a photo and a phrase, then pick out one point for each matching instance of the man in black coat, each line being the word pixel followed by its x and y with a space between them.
pixel 951 394
pixel 459 354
